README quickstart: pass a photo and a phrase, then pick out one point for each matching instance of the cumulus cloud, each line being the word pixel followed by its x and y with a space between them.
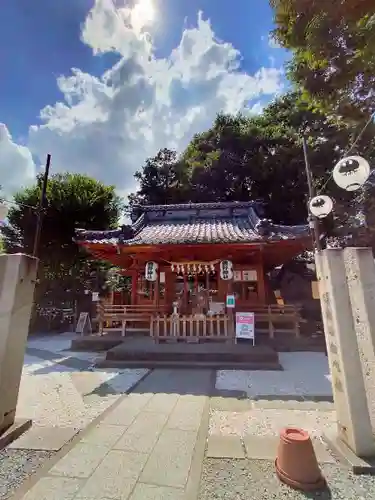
pixel 16 163
pixel 107 126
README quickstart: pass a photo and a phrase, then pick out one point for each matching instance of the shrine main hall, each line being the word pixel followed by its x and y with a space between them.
pixel 198 260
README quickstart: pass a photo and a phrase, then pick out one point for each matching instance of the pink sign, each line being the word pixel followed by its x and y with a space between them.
pixel 245 325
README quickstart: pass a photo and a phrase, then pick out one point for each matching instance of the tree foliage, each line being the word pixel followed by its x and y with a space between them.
pixel 333 46
pixel 72 201
pixel 261 157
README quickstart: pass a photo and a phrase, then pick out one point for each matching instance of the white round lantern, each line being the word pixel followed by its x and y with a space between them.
pixel 321 206
pixel 351 173
pixel 4 209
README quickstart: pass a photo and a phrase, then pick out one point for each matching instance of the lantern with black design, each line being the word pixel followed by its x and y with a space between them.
pixel 151 271
pixel 226 270
pixel 351 173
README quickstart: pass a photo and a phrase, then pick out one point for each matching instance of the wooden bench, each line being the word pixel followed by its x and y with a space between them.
pixel 125 315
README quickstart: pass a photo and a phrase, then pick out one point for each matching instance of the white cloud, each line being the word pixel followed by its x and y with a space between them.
pixel 16 164
pixel 108 126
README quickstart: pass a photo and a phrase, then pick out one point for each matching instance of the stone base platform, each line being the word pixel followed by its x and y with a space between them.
pixel 143 352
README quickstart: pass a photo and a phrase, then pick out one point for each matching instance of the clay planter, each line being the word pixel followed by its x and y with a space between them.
pixel 296 463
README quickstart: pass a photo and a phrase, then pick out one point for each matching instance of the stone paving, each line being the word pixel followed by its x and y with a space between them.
pixel 304 374
pixel 60 388
pixel 142 448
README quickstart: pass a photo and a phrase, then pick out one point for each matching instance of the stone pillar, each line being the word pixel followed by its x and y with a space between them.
pixel 360 273
pixel 353 419
pixel 17 283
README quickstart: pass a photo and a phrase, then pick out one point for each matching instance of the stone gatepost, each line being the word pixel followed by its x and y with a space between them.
pixel 360 273
pixel 353 419
pixel 17 283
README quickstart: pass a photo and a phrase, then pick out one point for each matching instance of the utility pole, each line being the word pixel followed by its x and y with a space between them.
pixel 313 221
pixel 40 214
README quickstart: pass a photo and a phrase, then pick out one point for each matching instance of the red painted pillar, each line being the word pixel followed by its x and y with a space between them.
pixel 134 288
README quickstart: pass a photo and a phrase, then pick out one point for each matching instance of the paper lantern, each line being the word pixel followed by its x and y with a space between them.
pixel 321 206
pixel 151 271
pixel 226 270
pixel 351 173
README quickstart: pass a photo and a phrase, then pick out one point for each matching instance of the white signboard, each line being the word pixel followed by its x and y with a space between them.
pixel 84 324
pixel 245 326
pixel 95 296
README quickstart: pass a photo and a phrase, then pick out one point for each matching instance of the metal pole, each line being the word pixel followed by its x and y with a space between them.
pixel 314 220
pixel 40 208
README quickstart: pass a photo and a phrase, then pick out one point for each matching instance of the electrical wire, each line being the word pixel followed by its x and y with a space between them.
pixel 350 149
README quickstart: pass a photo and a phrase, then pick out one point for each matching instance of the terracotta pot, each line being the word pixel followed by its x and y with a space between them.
pixel 296 463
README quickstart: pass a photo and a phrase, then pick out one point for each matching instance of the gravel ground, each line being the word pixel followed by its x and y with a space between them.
pixel 16 466
pixel 269 422
pixel 256 480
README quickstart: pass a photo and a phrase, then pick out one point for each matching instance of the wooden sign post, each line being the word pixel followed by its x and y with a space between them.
pixel 84 324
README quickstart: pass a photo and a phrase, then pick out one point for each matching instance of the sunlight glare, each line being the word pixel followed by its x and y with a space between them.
pixel 143 13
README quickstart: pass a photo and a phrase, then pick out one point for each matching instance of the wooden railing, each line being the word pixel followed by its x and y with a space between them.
pixel 192 328
pixel 277 318
pixel 270 319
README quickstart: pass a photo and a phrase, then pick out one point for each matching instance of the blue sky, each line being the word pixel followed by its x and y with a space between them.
pixel 137 65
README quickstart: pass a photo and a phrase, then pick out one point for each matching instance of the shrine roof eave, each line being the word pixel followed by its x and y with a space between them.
pixel 132 249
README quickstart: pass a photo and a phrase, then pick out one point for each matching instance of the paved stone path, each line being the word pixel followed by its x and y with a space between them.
pixel 142 448
pixel 60 388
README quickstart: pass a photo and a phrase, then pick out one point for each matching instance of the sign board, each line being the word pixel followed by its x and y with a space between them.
pixel 250 275
pixel 84 324
pixel 216 308
pixel 245 328
pixel 231 301
pixel 95 296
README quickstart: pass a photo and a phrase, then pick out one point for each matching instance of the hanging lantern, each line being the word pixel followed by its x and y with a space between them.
pixel 226 270
pixel 351 173
pixel 151 271
pixel 321 206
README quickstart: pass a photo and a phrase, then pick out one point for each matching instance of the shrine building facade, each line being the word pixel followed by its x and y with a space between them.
pixel 188 258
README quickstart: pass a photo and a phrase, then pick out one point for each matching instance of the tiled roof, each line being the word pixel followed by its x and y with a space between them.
pixel 196 223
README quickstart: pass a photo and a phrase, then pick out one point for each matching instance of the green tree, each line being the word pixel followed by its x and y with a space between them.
pixel 261 157
pixel 162 180
pixel 72 201
pixel 333 48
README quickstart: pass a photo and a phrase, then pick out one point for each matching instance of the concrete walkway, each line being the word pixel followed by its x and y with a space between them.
pixel 149 446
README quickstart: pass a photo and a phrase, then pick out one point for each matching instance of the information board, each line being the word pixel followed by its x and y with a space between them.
pixel 231 301
pixel 245 326
pixel 84 324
